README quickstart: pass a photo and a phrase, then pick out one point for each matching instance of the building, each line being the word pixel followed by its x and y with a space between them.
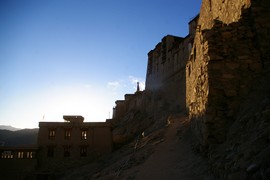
pixel 166 65
pixel 165 89
pixel 136 101
pixel 59 145
pixel 163 62
pixel 168 58
pixel 72 140
pixel 17 162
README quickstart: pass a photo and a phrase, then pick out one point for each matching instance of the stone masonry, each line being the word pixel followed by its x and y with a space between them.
pixel 228 55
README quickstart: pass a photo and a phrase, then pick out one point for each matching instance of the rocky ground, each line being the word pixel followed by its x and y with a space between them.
pixel 165 154
pixel 246 152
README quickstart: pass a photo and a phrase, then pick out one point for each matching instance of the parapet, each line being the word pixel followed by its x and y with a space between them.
pixel 78 119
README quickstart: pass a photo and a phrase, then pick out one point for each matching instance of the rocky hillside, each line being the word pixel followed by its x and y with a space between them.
pixel 246 152
pixel 166 153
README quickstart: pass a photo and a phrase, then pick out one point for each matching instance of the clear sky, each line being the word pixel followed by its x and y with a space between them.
pixel 77 57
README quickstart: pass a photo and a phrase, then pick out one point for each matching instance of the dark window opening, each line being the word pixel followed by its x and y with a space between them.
pixel 83 151
pixel 50 152
pixel 66 151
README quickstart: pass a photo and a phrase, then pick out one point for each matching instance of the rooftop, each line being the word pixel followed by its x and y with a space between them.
pixel 73 118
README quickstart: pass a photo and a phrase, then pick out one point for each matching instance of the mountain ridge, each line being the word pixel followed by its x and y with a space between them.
pixel 9 127
pixel 22 137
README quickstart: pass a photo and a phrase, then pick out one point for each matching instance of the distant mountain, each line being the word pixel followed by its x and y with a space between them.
pixel 10 128
pixel 22 137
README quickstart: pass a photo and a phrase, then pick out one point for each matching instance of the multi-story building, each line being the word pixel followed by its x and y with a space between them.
pixel 72 140
pixel 166 68
pixel 165 88
pixel 163 61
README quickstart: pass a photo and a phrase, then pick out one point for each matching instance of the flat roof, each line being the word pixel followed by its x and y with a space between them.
pixel 68 124
pixel 32 147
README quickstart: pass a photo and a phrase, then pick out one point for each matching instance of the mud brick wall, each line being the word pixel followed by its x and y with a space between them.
pixel 228 54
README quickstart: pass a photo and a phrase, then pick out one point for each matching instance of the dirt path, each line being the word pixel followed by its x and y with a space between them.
pixel 161 156
pixel 174 158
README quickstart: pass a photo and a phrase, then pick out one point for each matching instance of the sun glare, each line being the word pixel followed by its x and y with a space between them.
pixel 77 101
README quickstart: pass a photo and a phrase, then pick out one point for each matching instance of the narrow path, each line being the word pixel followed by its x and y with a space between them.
pixel 174 158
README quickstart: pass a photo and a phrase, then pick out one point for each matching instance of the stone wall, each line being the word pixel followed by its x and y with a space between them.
pixel 260 11
pixel 119 110
pixel 223 64
pixel 227 11
pixel 136 101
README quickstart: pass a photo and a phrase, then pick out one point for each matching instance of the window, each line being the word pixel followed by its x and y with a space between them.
pixel 7 155
pixel 51 134
pixel 67 133
pixel 84 135
pixel 83 151
pixel 20 155
pixel 66 151
pixel 29 155
pixel 50 152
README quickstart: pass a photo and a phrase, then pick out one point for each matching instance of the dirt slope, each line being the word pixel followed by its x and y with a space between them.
pixel 174 158
pixel 164 154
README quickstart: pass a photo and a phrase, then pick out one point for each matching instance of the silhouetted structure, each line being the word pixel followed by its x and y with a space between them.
pixel 60 145
pixel 165 77
pixel 72 140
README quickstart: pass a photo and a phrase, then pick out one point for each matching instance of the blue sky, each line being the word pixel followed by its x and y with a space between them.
pixel 77 57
